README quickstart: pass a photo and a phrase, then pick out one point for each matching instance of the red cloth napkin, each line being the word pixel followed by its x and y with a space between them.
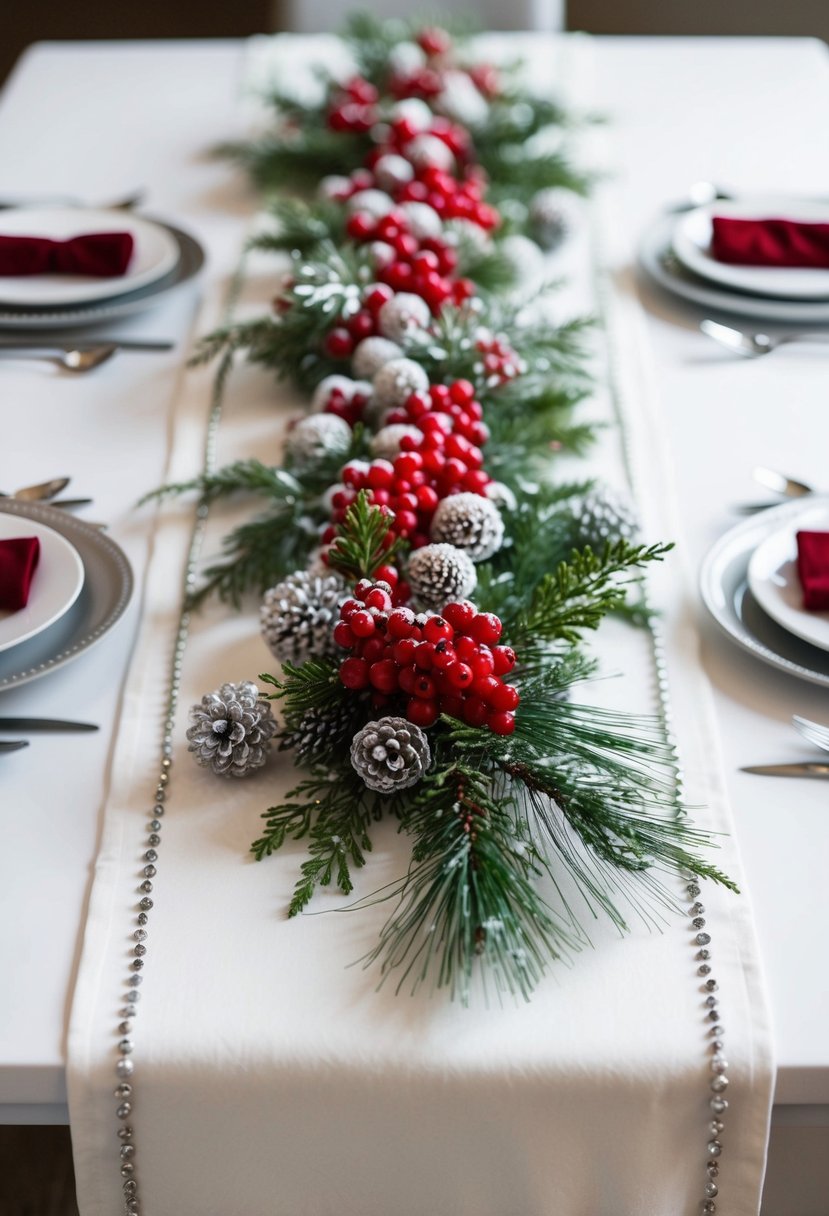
pixel 103 254
pixel 18 562
pixel 770 242
pixel 813 569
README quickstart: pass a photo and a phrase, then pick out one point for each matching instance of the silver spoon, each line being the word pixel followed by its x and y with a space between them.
pixel 70 358
pixel 41 492
pixel 813 731
pixel 780 483
pixel 125 203
pixel 754 345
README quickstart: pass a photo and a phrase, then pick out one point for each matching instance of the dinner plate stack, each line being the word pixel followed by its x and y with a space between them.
pixel 81 586
pixel 164 257
pixel 676 253
pixel 750 585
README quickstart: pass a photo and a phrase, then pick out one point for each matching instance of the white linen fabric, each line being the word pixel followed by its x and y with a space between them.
pixel 270 1076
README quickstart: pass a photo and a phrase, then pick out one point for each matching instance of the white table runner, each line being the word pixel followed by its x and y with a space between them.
pixel 270 1078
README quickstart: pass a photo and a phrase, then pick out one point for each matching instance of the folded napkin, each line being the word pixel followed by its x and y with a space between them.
pixel 770 242
pixel 103 254
pixel 18 562
pixel 813 569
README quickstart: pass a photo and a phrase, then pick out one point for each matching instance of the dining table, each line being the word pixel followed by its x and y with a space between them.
pixel 94 120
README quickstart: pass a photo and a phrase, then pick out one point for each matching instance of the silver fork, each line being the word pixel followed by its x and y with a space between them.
pixel 753 345
pixel 814 732
pixel 70 358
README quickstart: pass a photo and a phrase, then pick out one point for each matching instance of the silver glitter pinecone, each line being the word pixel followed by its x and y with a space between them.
pixel 471 523
pixel 317 732
pixel 231 730
pixel 317 437
pixel 390 754
pixel 440 573
pixel 550 216
pixel 604 516
pixel 398 379
pixel 298 616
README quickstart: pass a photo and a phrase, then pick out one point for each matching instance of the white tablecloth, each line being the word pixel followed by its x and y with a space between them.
pixel 270 1078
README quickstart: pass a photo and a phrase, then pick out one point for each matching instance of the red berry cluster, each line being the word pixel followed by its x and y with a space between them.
pixel 340 341
pixel 450 664
pixel 353 108
pixel 423 266
pixel 500 362
pixel 446 459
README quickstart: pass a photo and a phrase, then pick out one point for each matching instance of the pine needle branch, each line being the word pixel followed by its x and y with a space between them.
pixel 365 540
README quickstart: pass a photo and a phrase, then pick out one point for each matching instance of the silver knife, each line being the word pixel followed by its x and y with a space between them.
pixel 81 343
pixel 45 724
pixel 13 745
pixel 807 769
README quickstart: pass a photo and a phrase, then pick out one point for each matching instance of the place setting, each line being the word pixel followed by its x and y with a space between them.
pixel 63 583
pixel 766 581
pixel 759 256
pixel 65 267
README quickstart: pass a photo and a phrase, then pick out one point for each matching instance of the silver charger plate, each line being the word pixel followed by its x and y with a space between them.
pixel 662 265
pixel 726 595
pixel 191 260
pixel 108 585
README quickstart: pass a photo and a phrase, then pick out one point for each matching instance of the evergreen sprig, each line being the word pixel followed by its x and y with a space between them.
pixel 313 685
pixel 364 541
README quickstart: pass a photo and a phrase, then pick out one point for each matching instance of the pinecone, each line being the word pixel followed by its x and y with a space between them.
pixel 469 522
pixel 440 573
pixel 317 437
pixel 371 354
pixel 390 754
pixel 604 516
pixel 385 445
pixel 298 616
pixel 501 495
pixel 376 202
pixel 317 732
pixel 424 221
pixel 404 314
pixel 231 730
pixel 392 171
pixel 397 380
pixel 550 216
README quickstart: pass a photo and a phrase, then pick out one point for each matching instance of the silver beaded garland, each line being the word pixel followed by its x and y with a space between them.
pixel 298 615
pixel 390 754
pixel 469 522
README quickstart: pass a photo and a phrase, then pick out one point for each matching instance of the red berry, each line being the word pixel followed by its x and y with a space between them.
pixel 423 655
pixel 376 295
pixel 401 623
pixel 377 598
pixel 501 723
pixel 423 712
pixel 482 661
pixel 407 677
pixel 354 673
pixel 459 614
pixel 339 343
pixel 360 226
pixel 343 635
pixel 504 658
pixel 380 475
pixel 361 325
pixel 362 624
pixel 403 651
pixel 475 711
pixel 485 687
pixel 408 463
pixel 486 628
pixel 372 649
pixel 434 41
pixel 424 687
pixel 437 629
pixel 505 698
pixel 460 676
pixel 464 648
pixel 387 574
pixel 462 392
pixel 427 499
pixel 349 607
pixel 443 659
pixel 383 675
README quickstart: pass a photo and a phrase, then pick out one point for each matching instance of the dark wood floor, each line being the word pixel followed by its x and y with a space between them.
pixel 36 1176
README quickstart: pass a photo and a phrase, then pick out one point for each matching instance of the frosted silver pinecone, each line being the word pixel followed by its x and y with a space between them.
pixel 471 523
pixel 298 615
pixel 604 516
pixel 317 437
pixel 390 754
pixel 386 443
pixel 397 380
pixel 440 573
pixel 550 216
pixel 231 730
pixel 317 732
pixel 373 353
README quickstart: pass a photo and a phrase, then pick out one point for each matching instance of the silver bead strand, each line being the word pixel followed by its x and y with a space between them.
pixel 149 855
pixel 700 931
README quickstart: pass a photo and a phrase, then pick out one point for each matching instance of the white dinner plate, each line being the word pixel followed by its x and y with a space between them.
pixel 56 582
pixel 728 597
pixel 154 255
pixel 774 581
pixel 692 245
pixel 190 261
pixel 657 258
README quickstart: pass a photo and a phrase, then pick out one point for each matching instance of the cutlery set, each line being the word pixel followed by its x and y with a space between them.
pixel 39 725
pixel 814 733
